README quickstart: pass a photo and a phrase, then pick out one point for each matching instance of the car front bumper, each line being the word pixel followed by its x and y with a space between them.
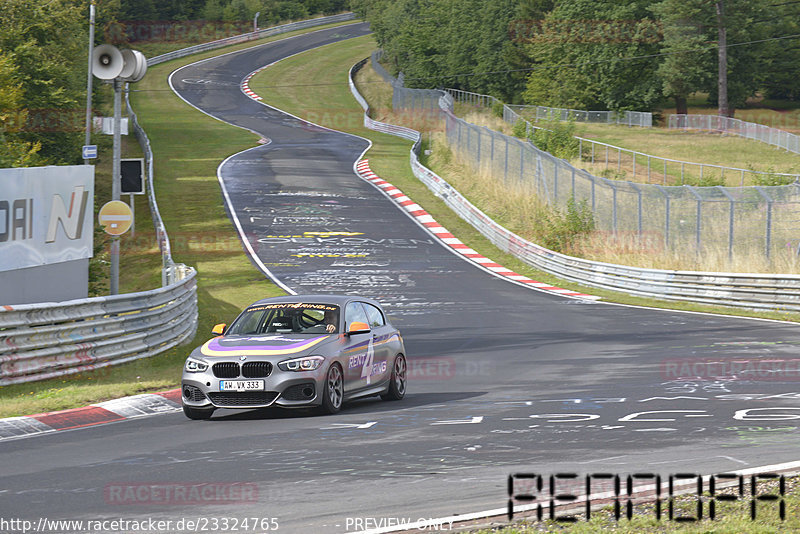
pixel 285 389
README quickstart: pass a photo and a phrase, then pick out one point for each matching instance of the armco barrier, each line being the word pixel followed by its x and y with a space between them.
pixel 759 291
pixel 47 340
pixel 251 36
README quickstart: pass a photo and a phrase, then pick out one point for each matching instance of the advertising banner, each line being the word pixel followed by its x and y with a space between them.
pixel 46 215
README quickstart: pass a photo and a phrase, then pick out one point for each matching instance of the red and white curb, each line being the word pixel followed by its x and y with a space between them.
pixel 245 85
pixel 95 414
pixel 439 231
pixel 426 220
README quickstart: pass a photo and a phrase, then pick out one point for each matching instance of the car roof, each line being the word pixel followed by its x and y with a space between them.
pixel 338 300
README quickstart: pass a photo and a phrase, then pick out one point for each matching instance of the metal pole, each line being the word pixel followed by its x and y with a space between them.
pixel 115 183
pixel 573 182
pixel 731 219
pixel 89 80
pixel 614 209
pixel 505 171
pixel 555 182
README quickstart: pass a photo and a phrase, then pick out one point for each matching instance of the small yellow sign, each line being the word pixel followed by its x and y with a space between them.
pixel 116 217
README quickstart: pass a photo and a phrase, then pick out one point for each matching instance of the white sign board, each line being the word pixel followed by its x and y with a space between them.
pixel 46 215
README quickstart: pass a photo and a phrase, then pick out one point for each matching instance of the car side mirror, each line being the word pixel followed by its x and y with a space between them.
pixel 219 329
pixel 357 327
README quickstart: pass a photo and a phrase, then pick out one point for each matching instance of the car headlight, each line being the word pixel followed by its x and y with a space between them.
pixel 306 363
pixel 195 366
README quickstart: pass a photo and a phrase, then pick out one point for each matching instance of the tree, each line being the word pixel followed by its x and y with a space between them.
pixel 46 44
pixel 14 152
pixel 684 69
pixel 722 58
pixel 462 44
pixel 582 51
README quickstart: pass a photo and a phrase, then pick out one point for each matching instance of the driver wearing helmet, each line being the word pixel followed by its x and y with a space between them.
pixel 331 318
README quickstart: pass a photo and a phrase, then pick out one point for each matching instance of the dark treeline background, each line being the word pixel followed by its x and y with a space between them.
pixel 43 61
pixel 576 53
pixel 272 11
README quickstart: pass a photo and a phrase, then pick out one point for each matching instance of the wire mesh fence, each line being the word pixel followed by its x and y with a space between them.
pixel 726 221
pixel 760 132
pixel 642 119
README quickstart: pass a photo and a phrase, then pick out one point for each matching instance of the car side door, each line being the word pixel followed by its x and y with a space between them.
pixel 358 351
pixel 384 343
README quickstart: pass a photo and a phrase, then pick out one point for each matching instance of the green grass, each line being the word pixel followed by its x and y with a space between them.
pixel 188 147
pixel 690 145
pixel 389 156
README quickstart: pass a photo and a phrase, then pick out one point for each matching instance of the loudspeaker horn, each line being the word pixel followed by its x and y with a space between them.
pixel 128 63
pixel 107 62
pixel 141 67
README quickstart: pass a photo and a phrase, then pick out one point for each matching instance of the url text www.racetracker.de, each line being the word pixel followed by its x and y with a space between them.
pixel 141 526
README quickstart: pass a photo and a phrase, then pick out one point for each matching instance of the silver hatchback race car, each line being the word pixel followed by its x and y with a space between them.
pixel 297 351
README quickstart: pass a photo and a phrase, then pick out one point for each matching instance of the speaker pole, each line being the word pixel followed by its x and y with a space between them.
pixel 116 179
pixel 89 81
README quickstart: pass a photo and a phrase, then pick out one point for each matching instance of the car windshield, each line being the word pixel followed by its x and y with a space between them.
pixel 289 317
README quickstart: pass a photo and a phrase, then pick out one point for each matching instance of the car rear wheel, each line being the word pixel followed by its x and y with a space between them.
pixel 333 392
pixel 397 382
pixel 197 413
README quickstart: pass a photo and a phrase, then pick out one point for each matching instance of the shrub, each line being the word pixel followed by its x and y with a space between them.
pixel 772 178
pixel 497 109
pixel 557 138
pixel 520 129
pixel 562 228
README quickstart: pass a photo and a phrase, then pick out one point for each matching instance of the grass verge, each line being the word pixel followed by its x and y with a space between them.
pixel 682 145
pixel 188 146
pixel 389 156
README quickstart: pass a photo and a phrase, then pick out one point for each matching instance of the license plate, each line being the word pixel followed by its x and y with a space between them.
pixel 241 385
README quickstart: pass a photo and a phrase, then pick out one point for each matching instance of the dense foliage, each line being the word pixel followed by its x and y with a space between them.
pixel 591 54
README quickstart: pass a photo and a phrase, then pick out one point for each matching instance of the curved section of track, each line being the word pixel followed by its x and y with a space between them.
pixel 503 379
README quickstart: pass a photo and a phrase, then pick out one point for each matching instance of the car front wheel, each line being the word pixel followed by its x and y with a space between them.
pixel 333 391
pixel 397 382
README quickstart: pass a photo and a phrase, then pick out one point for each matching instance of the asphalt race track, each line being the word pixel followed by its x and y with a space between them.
pixel 503 378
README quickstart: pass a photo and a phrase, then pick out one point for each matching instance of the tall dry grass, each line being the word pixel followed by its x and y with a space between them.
pixel 517 206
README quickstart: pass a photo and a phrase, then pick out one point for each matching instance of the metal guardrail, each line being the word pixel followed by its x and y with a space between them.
pixel 757 291
pixel 170 271
pixel 252 36
pixel 46 340
pixel 751 130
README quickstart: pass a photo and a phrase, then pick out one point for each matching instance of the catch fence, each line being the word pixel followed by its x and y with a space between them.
pixel 726 221
pixel 760 132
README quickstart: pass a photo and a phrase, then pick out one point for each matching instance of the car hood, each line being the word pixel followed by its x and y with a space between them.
pixel 263 345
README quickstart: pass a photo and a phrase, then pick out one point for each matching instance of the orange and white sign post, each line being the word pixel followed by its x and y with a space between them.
pixel 116 218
